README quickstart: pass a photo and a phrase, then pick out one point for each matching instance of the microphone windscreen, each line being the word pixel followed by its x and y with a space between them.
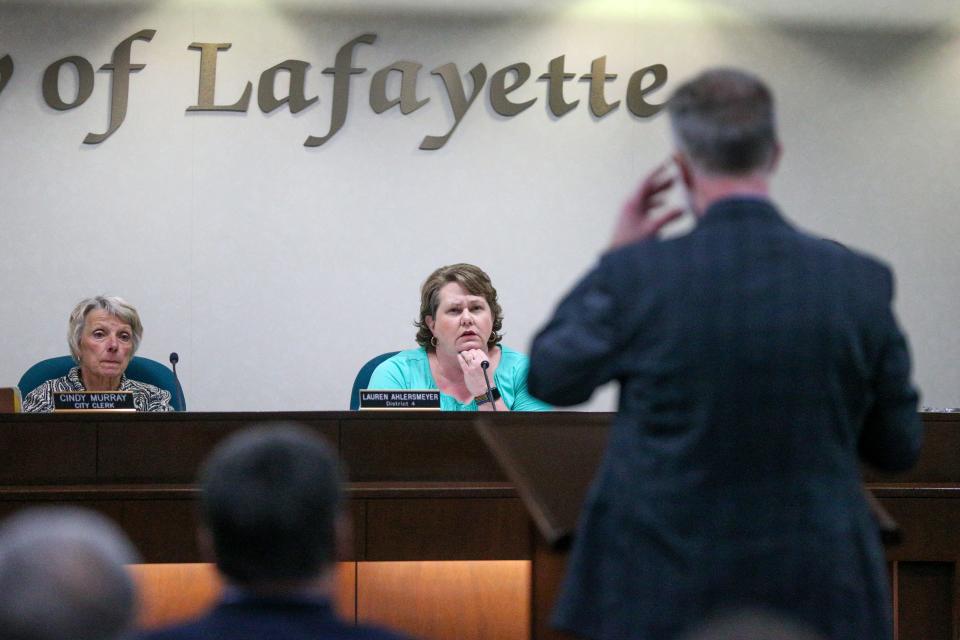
pixel 174 358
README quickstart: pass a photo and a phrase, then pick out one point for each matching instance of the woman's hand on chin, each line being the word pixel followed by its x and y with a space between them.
pixel 470 363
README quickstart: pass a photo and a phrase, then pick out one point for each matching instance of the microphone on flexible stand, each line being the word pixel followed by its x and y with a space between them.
pixel 174 359
pixel 485 365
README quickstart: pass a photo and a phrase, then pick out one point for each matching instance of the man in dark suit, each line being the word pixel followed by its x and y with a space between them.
pixel 757 365
pixel 272 518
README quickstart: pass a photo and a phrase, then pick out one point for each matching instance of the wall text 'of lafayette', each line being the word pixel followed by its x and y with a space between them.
pixel 383 93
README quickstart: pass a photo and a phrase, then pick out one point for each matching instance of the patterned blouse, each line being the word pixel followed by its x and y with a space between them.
pixel 146 397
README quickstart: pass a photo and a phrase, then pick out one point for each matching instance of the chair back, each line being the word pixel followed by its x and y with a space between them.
pixel 139 369
pixel 363 377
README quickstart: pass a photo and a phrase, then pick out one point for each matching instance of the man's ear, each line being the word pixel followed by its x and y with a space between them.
pixel 685 170
pixel 775 158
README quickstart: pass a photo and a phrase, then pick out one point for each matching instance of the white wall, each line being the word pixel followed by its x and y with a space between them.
pixel 275 270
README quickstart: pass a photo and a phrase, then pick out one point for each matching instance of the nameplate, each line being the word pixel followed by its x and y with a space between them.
pixel 69 401
pixel 393 399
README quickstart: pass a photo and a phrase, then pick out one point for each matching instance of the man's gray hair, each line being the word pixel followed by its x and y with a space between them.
pixel 62 576
pixel 111 304
pixel 753 624
pixel 723 121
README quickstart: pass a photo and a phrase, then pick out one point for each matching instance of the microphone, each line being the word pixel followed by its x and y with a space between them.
pixel 486 365
pixel 174 359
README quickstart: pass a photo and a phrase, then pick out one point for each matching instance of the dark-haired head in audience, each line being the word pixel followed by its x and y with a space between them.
pixel 271 507
pixel 62 576
pixel 272 519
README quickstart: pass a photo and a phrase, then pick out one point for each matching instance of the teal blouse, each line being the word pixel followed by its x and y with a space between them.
pixel 411 370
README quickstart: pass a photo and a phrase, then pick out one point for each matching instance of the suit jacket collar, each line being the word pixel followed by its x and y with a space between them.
pixel 245 600
pixel 741 209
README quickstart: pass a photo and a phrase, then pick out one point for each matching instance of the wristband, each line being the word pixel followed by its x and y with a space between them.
pixel 484 399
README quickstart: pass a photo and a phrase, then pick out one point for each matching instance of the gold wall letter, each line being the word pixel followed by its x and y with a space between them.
pixel 341 71
pixel 458 98
pixel 598 78
pixel 636 92
pixel 208 78
pixel 296 98
pixel 499 90
pixel 51 83
pixel 121 68
pixel 556 77
pixel 408 88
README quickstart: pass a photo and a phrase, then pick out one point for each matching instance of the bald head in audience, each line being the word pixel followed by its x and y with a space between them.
pixel 752 625
pixel 62 577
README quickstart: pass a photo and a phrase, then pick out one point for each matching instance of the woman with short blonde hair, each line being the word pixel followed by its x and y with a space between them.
pixel 103 334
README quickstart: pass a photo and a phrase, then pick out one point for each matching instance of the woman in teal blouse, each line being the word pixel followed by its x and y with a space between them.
pixel 458 329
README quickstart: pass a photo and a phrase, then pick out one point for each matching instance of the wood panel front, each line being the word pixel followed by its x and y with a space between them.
pixel 924 600
pixel 164 530
pixel 429 600
pixel 416 447
pixel 939 458
pixel 175 450
pixel 109 508
pixel 446 529
pixel 446 600
pixel 428 490
pixel 44 453
pixel 548 568
pixel 173 593
pixel 925 501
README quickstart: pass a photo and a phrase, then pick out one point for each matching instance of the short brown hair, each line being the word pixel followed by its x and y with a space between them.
pixel 476 283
